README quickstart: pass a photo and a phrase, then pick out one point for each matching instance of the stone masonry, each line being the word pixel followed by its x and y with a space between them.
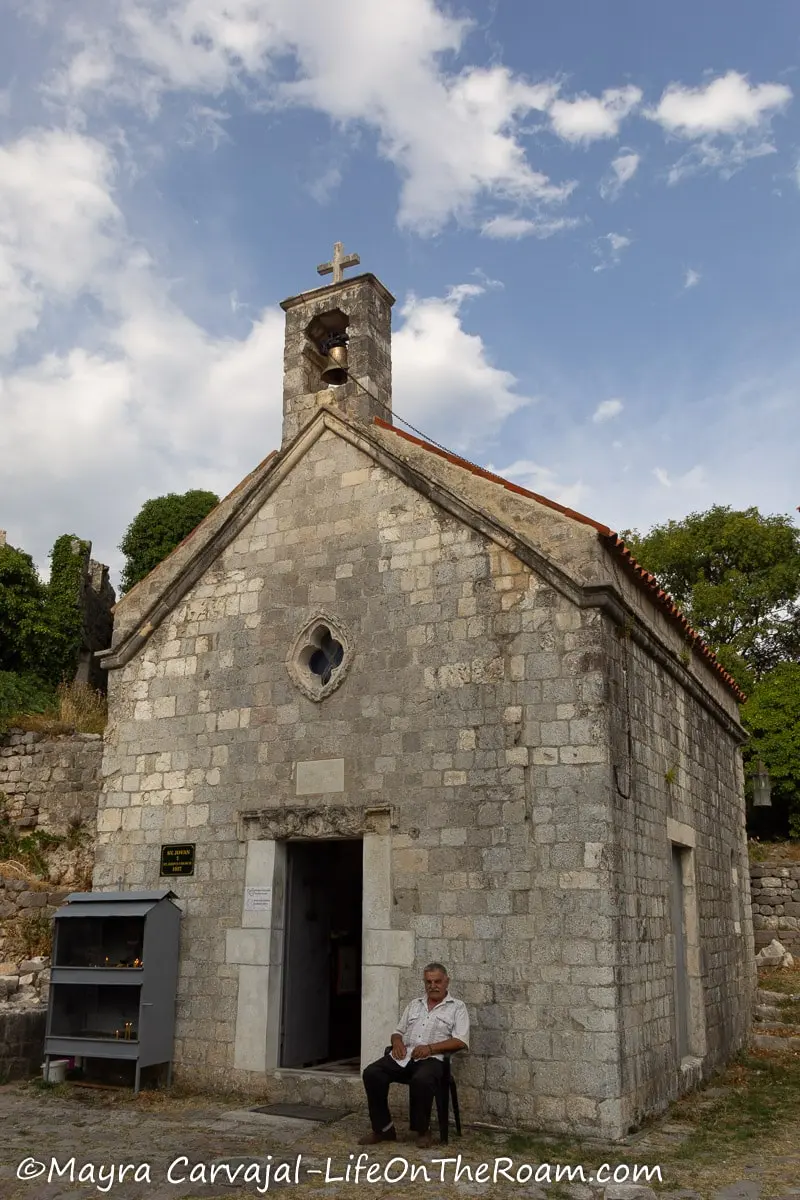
pixel 50 781
pixel 520 737
pixel 775 889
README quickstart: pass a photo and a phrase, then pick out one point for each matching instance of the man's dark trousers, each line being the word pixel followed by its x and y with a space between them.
pixel 422 1078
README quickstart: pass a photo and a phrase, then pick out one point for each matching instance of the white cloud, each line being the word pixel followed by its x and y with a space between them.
pixel 728 104
pixel 607 410
pixel 454 137
pixel 690 480
pixel 443 379
pixel 544 481
pixel 692 278
pixel 589 118
pixel 608 249
pixel 618 241
pixel 144 400
pixel 510 227
pixel 58 225
pixel 727 158
pixel 727 120
pixel 622 170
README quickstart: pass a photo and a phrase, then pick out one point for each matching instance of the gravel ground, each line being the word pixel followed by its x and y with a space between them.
pixel 91 1134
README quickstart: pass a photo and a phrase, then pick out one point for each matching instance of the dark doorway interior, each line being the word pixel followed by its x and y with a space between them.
pixel 322 954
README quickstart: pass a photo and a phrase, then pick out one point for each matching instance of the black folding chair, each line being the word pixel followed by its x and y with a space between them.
pixel 445 1093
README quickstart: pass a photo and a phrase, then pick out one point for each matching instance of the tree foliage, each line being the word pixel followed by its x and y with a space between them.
pixel 736 575
pixel 772 718
pixel 23 620
pixel 22 693
pixel 161 525
pixel 40 625
pixel 63 608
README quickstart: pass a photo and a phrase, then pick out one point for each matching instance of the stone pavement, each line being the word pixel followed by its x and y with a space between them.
pixel 89 1135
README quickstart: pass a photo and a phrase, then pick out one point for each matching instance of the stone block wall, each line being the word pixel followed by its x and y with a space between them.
pixel 520 849
pixel 775 890
pixel 21 1043
pixel 676 778
pixel 48 782
pixel 19 897
pixel 470 711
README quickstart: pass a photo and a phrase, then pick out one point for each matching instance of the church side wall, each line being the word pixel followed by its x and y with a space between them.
pixel 677 781
pixel 473 708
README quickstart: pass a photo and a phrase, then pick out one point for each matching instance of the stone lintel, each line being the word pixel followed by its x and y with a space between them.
pixel 680 834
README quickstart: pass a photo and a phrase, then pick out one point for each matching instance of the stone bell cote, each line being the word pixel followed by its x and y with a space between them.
pixel 337 351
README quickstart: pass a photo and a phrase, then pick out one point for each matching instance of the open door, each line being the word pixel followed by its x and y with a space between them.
pixel 306 966
pixel 321 1020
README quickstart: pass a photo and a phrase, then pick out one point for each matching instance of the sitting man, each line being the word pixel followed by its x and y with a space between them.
pixel 430 1027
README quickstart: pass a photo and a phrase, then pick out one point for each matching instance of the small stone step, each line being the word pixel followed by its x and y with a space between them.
pixel 769 1041
pixel 765 997
pixel 766 1012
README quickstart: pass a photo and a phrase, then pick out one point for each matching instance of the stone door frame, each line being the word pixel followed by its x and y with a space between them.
pixel 257 947
pixel 683 838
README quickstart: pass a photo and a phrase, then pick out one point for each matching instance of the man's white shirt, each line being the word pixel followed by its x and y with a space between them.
pixel 421 1026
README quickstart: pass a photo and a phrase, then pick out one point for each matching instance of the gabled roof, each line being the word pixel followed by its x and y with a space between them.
pixel 611 540
pixel 509 508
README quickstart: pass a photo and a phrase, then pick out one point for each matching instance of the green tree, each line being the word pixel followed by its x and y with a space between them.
pixel 160 526
pixel 64 608
pixel 736 575
pixel 23 620
pixel 772 718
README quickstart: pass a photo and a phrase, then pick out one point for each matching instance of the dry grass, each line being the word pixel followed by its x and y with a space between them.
pixel 780 979
pixel 10 869
pixel 773 851
pixel 28 936
pixel 78 709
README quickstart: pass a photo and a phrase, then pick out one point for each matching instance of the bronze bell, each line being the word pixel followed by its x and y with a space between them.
pixel 336 371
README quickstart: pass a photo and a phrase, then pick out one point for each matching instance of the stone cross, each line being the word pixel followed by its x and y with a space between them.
pixel 338 263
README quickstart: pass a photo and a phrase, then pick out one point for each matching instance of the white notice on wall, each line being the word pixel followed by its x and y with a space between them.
pixel 257 899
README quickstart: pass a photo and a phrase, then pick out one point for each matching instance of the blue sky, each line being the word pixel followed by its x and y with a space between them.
pixel 588 214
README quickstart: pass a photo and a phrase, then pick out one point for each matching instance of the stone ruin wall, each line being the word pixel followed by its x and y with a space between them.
pixel 49 783
pixel 775 891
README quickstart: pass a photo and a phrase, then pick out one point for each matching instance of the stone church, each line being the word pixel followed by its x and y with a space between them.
pixel 404 710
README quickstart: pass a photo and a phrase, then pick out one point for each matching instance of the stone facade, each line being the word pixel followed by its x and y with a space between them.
pixel 520 736
pixel 775 889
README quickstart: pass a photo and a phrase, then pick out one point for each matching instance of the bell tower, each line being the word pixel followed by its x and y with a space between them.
pixel 337 348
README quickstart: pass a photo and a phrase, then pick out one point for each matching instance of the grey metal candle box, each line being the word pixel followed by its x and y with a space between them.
pixel 92 995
